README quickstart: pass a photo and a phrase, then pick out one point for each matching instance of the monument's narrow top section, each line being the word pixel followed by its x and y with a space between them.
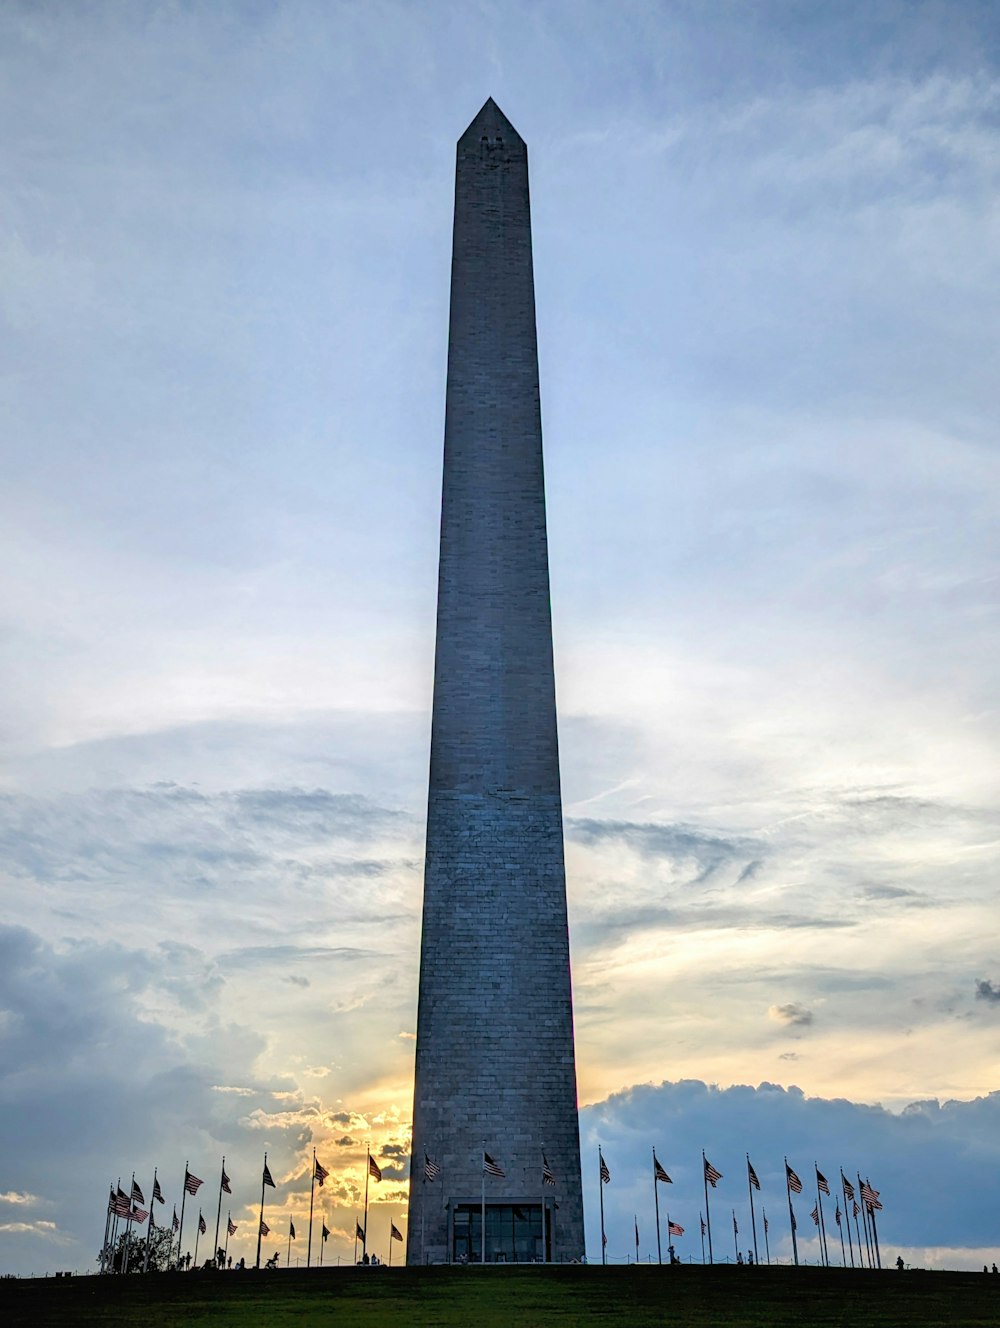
pixel 490 123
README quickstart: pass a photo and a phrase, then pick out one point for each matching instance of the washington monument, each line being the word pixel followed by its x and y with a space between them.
pixel 495 1127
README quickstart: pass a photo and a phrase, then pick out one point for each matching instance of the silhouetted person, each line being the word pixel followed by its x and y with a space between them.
pixel 899 1262
pixel 994 1268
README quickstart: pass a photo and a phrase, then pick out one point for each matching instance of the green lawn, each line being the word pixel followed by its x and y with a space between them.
pixel 525 1297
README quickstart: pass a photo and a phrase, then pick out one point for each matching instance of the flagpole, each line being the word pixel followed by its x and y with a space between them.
pixel 218 1215
pixel 767 1243
pixel 482 1179
pixel 753 1220
pixel 635 1219
pixel 128 1226
pixel 656 1198
pixel 871 1212
pixel 357 1227
pixel 312 1190
pixel 107 1230
pixel 260 1224
pixel 600 1186
pixel 149 1225
pixel 225 1252
pixel 197 1237
pixel 708 1211
pixel 322 1242
pixel 288 1252
pixel 180 1229
pixel 736 1232
pixel 368 1171
pixel 701 1222
pixel 843 1251
pixel 114 1228
pixel 822 1225
pixel 544 1259
pixel 857 1232
pixel 847 1214
pixel 864 1222
pixel 791 1216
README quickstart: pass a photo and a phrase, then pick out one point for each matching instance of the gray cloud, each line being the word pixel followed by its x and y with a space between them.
pixel 987 990
pixel 793 1013
pixel 945 1201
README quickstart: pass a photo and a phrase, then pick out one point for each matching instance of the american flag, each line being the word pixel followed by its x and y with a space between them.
pixel 753 1175
pixel 711 1175
pixel 794 1184
pixel 659 1173
pixel 374 1170
pixel 265 1230
pixel 765 1222
pixel 157 1192
pixel 192 1183
pixel 267 1178
pixel 225 1181
pixel 703 1227
pixel 815 1214
pixel 636 1220
pixel 394 1232
pixel 201 1224
pixel 854 1208
pixel 121 1203
pixel 848 1187
pixel 491 1168
pixel 291 1229
pixel 175 1225
pixel 137 1193
pixel 431 1169
pixel 231 1227
pixel 548 1175
pixel 152 1221
pixel 605 1173
pixel 836 1216
pixel 795 1225
pixel 359 1230
pixel 320 1173
pixel 137 1215
pixel 736 1230
pixel 326 1231
pixel 821 1182
pixel 604 1240
pixel 675 1229
pixel 870 1196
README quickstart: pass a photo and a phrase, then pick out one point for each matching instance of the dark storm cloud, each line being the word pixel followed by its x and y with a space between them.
pixel 934 1163
pixel 92 1086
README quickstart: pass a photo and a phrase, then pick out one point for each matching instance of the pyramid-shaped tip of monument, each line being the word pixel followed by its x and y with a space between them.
pixel 490 122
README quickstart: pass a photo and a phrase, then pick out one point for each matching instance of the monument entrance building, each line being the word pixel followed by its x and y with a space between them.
pixel 495 1167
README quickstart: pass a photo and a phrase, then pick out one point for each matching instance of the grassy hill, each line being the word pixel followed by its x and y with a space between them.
pixel 523 1297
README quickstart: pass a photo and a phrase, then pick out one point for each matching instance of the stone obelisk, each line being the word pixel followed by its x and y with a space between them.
pixel 495 1066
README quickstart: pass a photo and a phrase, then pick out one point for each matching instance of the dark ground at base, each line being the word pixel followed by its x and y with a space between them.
pixel 523 1297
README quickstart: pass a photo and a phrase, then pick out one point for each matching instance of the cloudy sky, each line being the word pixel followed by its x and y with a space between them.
pixel 767 247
